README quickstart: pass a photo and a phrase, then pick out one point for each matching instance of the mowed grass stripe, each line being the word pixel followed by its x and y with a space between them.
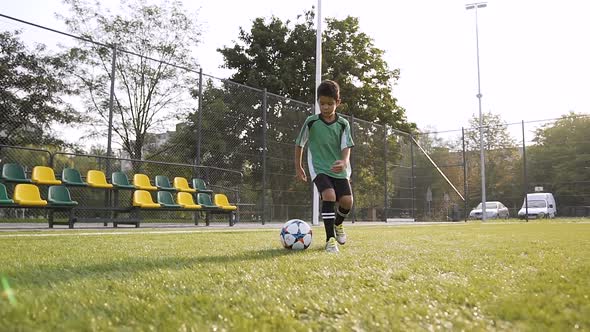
pixel 514 276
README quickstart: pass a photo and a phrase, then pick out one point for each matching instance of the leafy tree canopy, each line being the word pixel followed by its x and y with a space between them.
pixel 560 158
pixel 32 86
pixel 495 133
pixel 280 56
pixel 147 91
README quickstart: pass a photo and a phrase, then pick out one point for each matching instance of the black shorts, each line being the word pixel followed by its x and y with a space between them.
pixel 341 186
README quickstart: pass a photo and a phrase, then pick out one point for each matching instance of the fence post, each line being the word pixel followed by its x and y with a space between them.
pixel 412 185
pixel 51 160
pixel 465 201
pixel 524 180
pixel 111 105
pixel 238 203
pixel 385 203
pixel 199 119
pixel 353 175
pixel 264 111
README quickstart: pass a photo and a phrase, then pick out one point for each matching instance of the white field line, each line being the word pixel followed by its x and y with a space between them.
pixel 133 233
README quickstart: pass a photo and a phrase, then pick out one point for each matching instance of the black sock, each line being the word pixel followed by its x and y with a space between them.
pixel 328 218
pixel 341 213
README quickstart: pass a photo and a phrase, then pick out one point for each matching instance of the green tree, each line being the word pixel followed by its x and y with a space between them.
pixel 502 161
pixel 559 161
pixel 280 56
pixel 32 86
pixel 219 135
pixel 147 91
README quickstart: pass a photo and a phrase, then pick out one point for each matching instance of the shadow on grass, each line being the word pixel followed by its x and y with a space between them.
pixel 42 275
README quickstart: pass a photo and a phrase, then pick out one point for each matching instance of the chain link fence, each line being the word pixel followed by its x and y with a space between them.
pixel 439 179
pixel 549 156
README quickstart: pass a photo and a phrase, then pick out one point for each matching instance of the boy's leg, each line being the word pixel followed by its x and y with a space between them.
pixel 344 206
pixel 344 195
pixel 328 214
pixel 328 195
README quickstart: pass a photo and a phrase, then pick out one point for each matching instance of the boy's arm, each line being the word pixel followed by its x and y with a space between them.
pixel 346 155
pixel 340 165
pixel 300 172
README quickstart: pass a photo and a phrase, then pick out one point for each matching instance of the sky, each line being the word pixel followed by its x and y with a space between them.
pixel 534 55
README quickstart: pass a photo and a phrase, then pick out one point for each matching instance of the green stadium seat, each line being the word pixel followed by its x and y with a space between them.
pixel 201 186
pixel 14 173
pixel 186 201
pixel 28 195
pixel 165 199
pixel 121 181
pixel 181 184
pixel 163 183
pixel 221 201
pixel 143 199
pixel 4 195
pixel 204 200
pixel 44 175
pixel 60 196
pixel 97 179
pixel 72 177
pixel 141 181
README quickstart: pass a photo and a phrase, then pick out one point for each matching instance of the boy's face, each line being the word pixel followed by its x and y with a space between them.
pixel 328 105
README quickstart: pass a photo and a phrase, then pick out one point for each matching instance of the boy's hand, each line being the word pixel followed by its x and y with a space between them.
pixel 338 166
pixel 301 174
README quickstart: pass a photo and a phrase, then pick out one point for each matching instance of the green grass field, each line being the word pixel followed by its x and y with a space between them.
pixel 503 276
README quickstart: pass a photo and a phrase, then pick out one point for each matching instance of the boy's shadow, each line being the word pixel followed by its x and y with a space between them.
pixel 120 269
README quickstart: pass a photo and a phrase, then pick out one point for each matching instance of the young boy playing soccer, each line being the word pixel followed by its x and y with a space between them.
pixel 328 158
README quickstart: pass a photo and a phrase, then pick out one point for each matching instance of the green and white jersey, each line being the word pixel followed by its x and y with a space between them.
pixel 325 144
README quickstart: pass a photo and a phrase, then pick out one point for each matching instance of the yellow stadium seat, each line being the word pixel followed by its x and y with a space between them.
pixel 186 201
pixel 28 195
pixel 181 184
pixel 97 179
pixel 44 175
pixel 141 181
pixel 221 201
pixel 143 199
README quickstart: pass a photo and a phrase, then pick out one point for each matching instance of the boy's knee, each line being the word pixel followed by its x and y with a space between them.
pixel 346 202
pixel 329 196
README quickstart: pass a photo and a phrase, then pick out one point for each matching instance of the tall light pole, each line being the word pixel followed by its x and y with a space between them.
pixel 482 156
pixel 318 79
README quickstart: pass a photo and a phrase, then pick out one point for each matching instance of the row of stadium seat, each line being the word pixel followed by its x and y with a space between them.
pixel 45 175
pixel 27 194
pixel 143 199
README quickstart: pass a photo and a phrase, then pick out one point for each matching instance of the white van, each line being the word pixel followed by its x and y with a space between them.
pixel 540 205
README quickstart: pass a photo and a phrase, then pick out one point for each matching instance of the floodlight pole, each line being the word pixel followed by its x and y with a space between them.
pixel 481 148
pixel 318 79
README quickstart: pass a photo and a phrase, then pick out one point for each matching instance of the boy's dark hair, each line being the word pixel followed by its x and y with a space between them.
pixel 329 88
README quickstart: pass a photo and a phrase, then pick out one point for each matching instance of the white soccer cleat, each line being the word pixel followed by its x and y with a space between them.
pixel 332 246
pixel 340 234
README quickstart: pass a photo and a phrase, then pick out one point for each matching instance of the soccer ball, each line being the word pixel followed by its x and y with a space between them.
pixel 296 234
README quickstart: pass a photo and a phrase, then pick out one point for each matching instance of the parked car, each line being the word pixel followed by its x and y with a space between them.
pixel 540 205
pixel 494 209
